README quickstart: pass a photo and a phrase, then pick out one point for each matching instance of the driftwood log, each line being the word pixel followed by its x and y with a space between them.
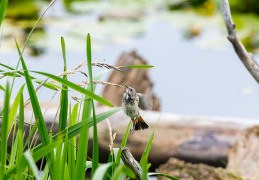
pixel 190 138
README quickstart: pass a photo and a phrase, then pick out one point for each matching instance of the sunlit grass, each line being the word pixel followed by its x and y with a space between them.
pixel 65 158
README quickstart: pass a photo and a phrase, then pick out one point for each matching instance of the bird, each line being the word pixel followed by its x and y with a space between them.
pixel 131 103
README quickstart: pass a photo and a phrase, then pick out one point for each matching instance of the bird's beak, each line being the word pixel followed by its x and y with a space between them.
pixel 126 86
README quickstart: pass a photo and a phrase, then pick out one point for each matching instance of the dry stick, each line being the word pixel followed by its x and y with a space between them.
pixel 101 82
pixel 246 58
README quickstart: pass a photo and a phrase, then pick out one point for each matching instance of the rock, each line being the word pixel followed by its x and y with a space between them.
pixel 188 171
pixel 244 155
pixel 134 77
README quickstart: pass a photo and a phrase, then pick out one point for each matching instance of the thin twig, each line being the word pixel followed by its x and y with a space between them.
pixel 239 48
pixel 99 82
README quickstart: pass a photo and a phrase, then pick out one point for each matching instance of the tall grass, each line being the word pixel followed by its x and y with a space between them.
pixel 65 158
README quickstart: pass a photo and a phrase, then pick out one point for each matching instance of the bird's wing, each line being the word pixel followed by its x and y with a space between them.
pixel 144 102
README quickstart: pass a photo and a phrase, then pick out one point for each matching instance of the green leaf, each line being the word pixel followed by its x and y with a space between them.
pixel 123 169
pixel 137 66
pixel 123 143
pixel 165 175
pixel 72 142
pixel 13 151
pixel 4 131
pixel 9 74
pixel 32 164
pixel 14 108
pixel 46 84
pixel 3 7
pixel 77 88
pixel 20 139
pixel 34 101
pixel 111 159
pixel 1 87
pixel 36 108
pixel 39 81
pixel 34 127
pixel 64 94
pixel 41 150
pixel 144 159
pixel 148 147
pixel 83 141
pixel 101 170
pixel 95 136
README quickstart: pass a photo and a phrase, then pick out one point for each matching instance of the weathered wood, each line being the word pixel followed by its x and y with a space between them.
pixel 191 138
pixel 243 156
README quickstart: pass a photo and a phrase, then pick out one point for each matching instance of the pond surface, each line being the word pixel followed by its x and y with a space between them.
pixel 197 76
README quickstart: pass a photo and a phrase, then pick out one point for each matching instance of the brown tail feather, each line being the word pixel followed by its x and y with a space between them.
pixel 139 124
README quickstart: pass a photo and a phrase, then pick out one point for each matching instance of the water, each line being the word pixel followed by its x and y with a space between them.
pixel 196 77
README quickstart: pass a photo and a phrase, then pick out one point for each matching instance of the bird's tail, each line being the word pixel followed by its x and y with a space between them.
pixel 139 124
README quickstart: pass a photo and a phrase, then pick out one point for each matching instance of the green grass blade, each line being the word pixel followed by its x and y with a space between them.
pixel 13 151
pixel 6 73
pixel 41 150
pixel 95 136
pixel 125 138
pixel 34 127
pixel 148 147
pixel 101 170
pixel 111 158
pixel 123 143
pixel 125 170
pixel 144 169
pixel 144 159
pixel 137 66
pixel 14 107
pixel 72 142
pixel 66 177
pixel 32 164
pixel 37 155
pixel 77 88
pixel 4 131
pixel 64 157
pixel 39 81
pixel 83 141
pixel 36 108
pixel 75 130
pixel 3 7
pixel 64 93
pixel 165 175
pixel 35 103
pixel 20 139
pixel 46 172
pixel 2 88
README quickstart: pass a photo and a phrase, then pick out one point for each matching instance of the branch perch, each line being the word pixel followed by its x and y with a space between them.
pixel 246 58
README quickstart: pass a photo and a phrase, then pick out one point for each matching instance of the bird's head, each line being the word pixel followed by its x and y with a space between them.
pixel 130 92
